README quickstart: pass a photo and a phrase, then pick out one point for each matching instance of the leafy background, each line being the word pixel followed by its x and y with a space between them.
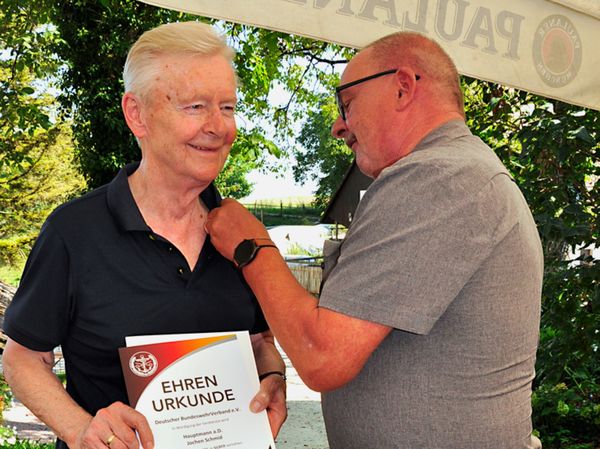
pixel 61 133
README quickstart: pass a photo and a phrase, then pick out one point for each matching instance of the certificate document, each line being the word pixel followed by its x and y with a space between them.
pixel 195 390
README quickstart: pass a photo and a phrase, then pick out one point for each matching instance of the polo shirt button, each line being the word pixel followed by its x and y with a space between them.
pixel 151 237
pixel 170 248
pixel 180 270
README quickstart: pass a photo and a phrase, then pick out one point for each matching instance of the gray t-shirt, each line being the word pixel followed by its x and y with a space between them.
pixel 443 248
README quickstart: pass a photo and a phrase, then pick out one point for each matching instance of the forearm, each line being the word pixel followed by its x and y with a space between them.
pixel 32 381
pixel 327 348
pixel 271 395
pixel 292 313
pixel 266 355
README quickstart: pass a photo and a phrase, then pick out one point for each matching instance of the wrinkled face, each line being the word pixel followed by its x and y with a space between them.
pixel 189 118
pixel 369 108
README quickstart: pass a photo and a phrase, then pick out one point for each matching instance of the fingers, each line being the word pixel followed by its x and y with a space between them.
pixel 277 411
pixel 268 388
pixel 137 421
pixel 277 416
pixel 231 223
pixel 227 207
pixel 271 397
pixel 115 426
pixel 96 434
pixel 232 214
pixel 227 201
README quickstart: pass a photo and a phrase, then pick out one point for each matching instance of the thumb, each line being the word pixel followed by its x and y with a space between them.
pixel 268 389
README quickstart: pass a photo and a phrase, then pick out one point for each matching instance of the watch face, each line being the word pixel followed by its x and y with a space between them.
pixel 244 253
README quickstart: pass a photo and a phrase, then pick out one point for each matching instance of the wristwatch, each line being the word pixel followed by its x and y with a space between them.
pixel 247 250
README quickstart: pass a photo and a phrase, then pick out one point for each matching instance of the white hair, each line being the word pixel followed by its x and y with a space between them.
pixel 188 38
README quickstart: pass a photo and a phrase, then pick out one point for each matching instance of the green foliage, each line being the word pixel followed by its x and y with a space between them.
pixel 297 249
pixel 289 212
pixel 280 220
pixel 5 397
pixel 232 181
pixel 11 273
pixel 15 248
pixel 322 157
pixel 551 149
pixel 299 66
pixel 36 169
pixel 24 37
pixel 27 199
pixel 49 181
pixel 8 437
pixel 95 39
pixel 570 415
pixel 24 444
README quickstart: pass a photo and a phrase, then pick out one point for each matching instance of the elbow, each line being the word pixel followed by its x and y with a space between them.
pixel 17 360
pixel 8 365
pixel 325 377
pixel 324 385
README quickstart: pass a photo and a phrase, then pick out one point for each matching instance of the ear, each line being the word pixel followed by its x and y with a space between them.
pixel 133 112
pixel 406 84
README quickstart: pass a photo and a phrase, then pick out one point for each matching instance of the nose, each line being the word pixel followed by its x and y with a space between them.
pixel 338 129
pixel 214 122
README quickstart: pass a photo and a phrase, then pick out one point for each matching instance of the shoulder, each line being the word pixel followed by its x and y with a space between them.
pixel 80 207
pixel 464 156
pixel 461 182
pixel 446 168
pixel 89 211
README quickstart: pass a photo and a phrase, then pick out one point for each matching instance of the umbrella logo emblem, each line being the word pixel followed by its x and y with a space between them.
pixel 557 51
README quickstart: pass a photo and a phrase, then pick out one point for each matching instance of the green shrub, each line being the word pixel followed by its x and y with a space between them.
pixel 8 437
pixel 552 151
pixel 568 416
pixel 566 400
pixel 14 250
pixel 11 274
pixel 24 444
pixel 5 397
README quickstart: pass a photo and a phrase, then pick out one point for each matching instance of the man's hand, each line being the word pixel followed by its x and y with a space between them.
pixel 231 223
pixel 271 397
pixel 115 426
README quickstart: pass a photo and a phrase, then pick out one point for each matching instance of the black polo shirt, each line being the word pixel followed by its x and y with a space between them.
pixel 97 273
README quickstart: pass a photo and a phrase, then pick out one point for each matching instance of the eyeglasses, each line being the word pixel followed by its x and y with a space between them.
pixel 338 89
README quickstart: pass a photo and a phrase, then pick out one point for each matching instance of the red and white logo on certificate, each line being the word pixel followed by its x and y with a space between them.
pixel 143 364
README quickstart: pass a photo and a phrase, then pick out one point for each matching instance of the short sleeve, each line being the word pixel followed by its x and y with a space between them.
pixel 420 233
pixel 38 315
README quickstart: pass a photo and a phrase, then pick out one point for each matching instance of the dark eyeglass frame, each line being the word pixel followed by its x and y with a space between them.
pixel 338 89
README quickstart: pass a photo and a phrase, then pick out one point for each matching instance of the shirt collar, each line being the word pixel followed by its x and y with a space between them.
pixel 451 130
pixel 123 207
